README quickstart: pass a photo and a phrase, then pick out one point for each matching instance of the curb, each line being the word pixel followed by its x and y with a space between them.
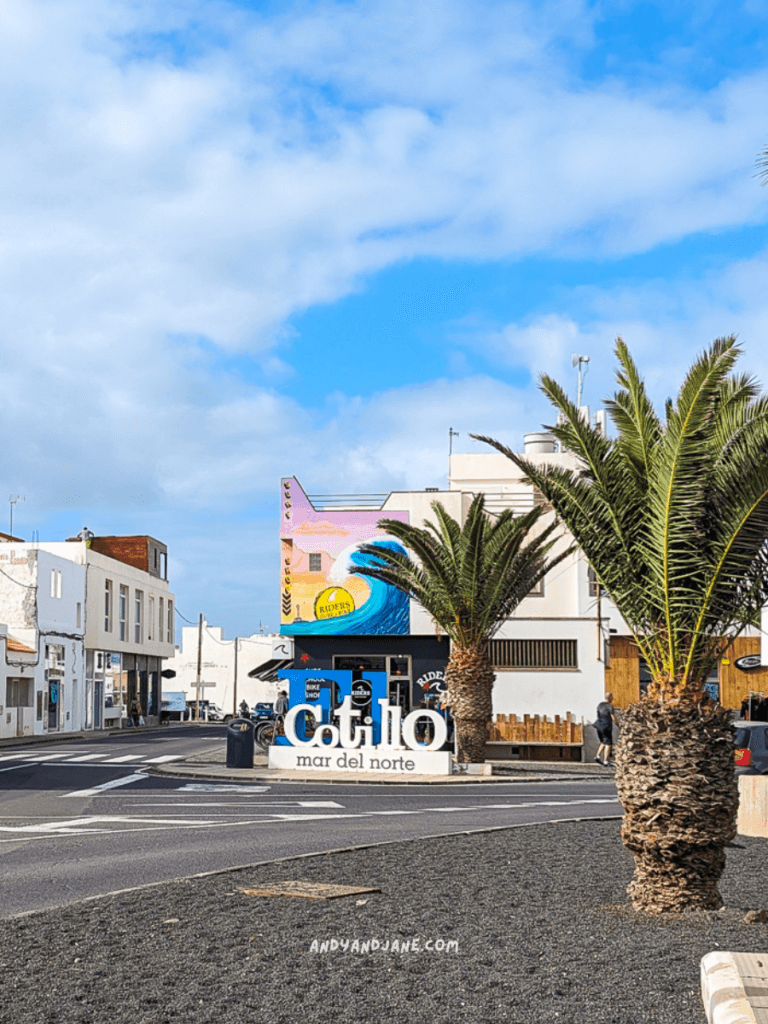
pixel 723 989
pixel 228 775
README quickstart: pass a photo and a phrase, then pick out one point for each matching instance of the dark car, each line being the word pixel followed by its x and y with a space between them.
pixel 262 710
pixel 751 742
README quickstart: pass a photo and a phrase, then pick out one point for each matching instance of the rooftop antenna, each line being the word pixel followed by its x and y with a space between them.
pixel 579 361
pixel 14 498
pixel 451 434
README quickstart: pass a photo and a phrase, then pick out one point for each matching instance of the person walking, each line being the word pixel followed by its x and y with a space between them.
pixel 281 710
pixel 135 711
pixel 604 726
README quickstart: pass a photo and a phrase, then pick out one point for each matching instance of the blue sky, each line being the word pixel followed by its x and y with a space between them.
pixel 241 241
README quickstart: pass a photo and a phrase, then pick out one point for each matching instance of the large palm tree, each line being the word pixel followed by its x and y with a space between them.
pixel 672 514
pixel 469 579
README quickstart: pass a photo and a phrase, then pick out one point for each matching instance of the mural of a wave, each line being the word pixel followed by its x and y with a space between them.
pixel 385 611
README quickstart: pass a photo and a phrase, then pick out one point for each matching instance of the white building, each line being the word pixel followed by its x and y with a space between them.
pixel 42 685
pixel 218 667
pixel 112 595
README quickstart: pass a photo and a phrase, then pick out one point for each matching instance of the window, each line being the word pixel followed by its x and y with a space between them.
pixel 161 621
pixel 538 590
pixel 79 616
pixel 107 606
pixel 123 613
pixel 150 618
pixel 316 562
pixel 169 636
pixel 553 655
pixel 138 608
pixel 163 565
pixel 18 693
pixel 595 590
pixel 55 582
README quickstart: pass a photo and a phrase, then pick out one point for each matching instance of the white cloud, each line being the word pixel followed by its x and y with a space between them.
pixel 177 180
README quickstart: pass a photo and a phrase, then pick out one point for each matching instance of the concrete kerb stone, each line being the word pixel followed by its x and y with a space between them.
pixel 213 773
pixel 724 978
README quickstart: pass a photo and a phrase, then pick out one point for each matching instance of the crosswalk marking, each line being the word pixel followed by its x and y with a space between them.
pixel 95 790
pixel 87 757
pixel 163 759
pixel 126 757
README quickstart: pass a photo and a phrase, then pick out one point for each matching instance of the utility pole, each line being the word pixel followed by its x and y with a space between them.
pixel 199 664
pixel 237 642
pixel 14 498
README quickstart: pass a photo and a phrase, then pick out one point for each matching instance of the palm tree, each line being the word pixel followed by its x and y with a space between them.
pixel 762 165
pixel 672 515
pixel 469 579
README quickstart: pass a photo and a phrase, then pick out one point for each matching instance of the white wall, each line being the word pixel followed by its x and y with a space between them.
pixel 37 617
pixel 218 666
pixel 99 569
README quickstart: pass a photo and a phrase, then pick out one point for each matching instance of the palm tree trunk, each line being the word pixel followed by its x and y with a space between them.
pixel 676 782
pixel 470 677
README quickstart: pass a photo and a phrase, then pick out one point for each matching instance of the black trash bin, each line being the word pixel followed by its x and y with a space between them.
pixel 240 743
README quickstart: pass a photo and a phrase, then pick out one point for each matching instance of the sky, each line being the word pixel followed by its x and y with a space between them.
pixel 240 241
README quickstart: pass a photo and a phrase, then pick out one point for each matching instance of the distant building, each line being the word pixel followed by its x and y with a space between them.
pixel 218 667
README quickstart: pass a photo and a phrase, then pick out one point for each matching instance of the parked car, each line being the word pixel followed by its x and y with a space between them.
pixel 751 742
pixel 262 710
pixel 215 713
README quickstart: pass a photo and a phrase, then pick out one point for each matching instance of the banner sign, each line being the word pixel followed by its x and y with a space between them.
pixel 336 724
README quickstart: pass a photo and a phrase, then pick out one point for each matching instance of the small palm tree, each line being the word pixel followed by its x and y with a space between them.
pixel 469 579
pixel 672 515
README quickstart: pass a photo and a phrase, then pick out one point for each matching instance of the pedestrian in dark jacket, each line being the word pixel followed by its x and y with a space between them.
pixel 604 726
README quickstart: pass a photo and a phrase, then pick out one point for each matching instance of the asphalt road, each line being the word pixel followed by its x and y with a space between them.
pixel 83 819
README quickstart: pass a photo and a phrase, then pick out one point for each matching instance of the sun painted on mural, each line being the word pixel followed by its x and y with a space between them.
pixel 319 594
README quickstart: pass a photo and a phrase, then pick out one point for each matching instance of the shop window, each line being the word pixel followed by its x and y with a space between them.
pixel 315 562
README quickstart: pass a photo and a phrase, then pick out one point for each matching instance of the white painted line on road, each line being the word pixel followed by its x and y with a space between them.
pixel 37 758
pixel 280 803
pixel 16 757
pixel 74 826
pixel 127 757
pixel 213 787
pixel 87 757
pixel 125 781
pixel 14 767
pixel 164 758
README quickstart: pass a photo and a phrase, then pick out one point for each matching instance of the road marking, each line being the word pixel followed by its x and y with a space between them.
pixel 87 757
pixel 43 757
pixel 213 787
pixel 126 780
pixel 280 803
pixel 165 757
pixel 74 826
pixel 127 757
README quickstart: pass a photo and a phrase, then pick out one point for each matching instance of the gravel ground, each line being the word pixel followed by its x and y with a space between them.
pixel 539 915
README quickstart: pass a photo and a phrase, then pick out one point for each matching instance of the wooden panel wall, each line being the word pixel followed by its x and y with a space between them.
pixel 735 685
pixel 622 677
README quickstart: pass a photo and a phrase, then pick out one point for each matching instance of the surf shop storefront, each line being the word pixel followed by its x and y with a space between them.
pixel 414 665
pixel 345 622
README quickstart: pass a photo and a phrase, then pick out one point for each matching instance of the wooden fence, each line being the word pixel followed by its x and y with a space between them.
pixel 535 729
